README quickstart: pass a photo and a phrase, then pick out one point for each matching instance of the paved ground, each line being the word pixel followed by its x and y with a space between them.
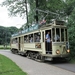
pixel 66 66
pixel 33 67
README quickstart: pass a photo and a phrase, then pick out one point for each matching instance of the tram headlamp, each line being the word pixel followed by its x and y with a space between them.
pixel 68 51
pixel 57 51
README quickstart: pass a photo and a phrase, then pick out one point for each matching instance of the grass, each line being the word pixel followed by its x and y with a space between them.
pixel 2 47
pixel 8 67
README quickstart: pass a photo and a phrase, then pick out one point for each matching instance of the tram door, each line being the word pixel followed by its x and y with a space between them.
pixel 19 43
pixel 48 43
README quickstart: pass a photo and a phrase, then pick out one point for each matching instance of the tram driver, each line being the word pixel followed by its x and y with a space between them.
pixel 48 40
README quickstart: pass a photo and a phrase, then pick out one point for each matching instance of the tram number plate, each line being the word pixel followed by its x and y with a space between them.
pixel 48 58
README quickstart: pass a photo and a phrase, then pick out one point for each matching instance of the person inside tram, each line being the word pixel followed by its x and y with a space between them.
pixel 38 39
pixel 35 37
pixel 57 38
pixel 31 40
pixel 24 38
pixel 48 40
pixel 27 39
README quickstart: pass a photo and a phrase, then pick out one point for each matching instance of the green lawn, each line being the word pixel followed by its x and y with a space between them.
pixel 2 47
pixel 8 67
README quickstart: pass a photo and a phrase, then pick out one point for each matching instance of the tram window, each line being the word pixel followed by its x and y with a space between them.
pixel 31 38
pixel 37 37
pixel 26 38
pixel 66 34
pixel 57 36
pixel 14 40
pixel 62 34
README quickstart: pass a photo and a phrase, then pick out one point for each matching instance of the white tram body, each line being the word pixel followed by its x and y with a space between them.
pixel 26 42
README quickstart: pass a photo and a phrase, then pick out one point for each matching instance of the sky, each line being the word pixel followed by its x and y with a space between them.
pixel 8 21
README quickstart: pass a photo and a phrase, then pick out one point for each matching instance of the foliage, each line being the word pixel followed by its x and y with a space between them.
pixel 69 6
pixel 71 30
pixel 8 67
pixel 2 34
pixel 19 7
pixel 15 7
pixel 56 6
pixel 5 34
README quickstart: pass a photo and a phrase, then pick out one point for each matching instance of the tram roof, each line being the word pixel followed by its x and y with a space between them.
pixel 38 26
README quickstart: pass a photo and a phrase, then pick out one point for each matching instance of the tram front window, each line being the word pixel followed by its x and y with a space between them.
pixel 66 35
pixel 62 34
pixel 56 34
pixel 59 34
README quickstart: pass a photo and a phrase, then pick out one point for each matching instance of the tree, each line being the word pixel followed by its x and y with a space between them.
pixel 15 7
pixel 56 6
pixel 5 34
pixel 12 29
pixel 71 31
pixel 18 7
pixel 70 13
pixel 69 6
pixel 2 32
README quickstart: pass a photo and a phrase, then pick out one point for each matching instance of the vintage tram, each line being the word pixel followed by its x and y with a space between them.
pixel 32 42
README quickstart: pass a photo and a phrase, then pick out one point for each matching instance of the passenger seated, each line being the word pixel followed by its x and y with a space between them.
pixel 31 40
pixel 24 39
pixel 38 39
pixel 27 39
